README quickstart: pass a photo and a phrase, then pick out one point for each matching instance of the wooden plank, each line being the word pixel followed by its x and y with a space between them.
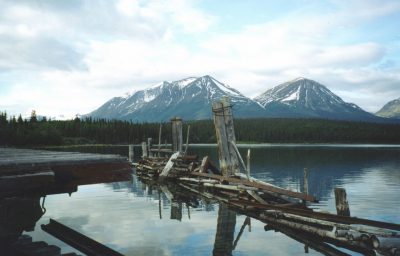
pixel 169 165
pixel 273 189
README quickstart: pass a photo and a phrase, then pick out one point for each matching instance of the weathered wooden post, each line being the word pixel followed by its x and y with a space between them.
pixel 176 210
pixel 159 140
pixel 144 149
pixel 224 236
pixel 342 205
pixel 187 139
pixel 149 144
pixel 131 153
pixel 305 181
pixel 248 164
pixel 176 134
pixel 225 133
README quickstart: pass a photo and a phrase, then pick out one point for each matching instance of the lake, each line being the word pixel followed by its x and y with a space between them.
pixel 126 216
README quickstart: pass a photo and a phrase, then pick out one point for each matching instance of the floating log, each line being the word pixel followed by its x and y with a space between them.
pixel 385 242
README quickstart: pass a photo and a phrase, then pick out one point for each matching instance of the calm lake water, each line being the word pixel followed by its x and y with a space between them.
pixel 125 215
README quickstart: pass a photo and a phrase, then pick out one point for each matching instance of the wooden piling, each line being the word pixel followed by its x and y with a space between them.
pixel 248 164
pixel 159 139
pixel 305 183
pixel 176 134
pixel 131 153
pixel 149 144
pixel 225 133
pixel 187 139
pixel 144 149
pixel 342 205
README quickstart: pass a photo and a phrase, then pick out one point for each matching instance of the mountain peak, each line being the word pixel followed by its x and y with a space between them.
pixel 191 98
pixel 390 109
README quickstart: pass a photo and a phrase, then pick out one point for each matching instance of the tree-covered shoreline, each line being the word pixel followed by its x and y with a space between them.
pixel 33 132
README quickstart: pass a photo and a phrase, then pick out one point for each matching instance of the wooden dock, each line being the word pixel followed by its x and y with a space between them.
pixel 24 169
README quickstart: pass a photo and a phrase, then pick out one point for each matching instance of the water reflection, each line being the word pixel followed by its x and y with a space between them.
pixel 126 215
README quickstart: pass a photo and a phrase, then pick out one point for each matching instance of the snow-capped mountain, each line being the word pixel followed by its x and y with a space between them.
pixel 303 97
pixel 191 99
pixel 390 109
pixel 188 98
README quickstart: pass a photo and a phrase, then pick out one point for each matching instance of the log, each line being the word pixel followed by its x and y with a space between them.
pixel 342 205
pixel 322 216
pixel 385 242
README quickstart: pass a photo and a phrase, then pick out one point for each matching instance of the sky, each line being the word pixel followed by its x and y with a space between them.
pixel 69 57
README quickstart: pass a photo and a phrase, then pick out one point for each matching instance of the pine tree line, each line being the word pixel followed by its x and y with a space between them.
pixel 23 132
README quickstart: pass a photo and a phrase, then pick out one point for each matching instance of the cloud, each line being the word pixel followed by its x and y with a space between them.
pixel 85 52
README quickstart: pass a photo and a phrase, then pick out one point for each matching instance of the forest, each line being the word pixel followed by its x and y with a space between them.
pixel 38 132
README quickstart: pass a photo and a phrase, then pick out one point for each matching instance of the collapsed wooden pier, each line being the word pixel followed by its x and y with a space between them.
pixel 181 176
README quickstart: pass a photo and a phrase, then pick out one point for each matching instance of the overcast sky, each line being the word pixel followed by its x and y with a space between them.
pixel 70 56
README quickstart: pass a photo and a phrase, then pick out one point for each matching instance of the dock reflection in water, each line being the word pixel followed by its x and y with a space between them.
pixel 126 215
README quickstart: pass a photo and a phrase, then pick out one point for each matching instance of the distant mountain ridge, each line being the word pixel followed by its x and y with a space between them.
pixel 390 109
pixel 191 99
pixel 303 97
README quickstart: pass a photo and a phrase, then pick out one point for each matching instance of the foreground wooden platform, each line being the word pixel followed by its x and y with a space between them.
pixel 29 169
